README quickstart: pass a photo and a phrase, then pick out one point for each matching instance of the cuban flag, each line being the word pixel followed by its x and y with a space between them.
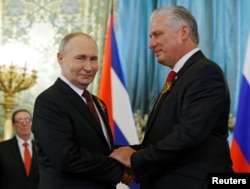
pixel 114 93
pixel 240 147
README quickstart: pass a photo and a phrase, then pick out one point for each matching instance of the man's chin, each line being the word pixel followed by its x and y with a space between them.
pixel 159 59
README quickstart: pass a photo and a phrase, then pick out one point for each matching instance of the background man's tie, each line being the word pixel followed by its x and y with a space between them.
pixel 91 105
pixel 166 86
pixel 27 158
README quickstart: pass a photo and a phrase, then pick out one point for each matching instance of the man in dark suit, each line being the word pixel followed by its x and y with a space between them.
pixel 73 145
pixel 13 174
pixel 186 134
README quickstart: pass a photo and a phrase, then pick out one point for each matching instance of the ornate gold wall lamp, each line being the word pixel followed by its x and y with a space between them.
pixel 14 78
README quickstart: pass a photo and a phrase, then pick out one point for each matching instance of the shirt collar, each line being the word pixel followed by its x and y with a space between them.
pixel 76 89
pixel 184 59
pixel 21 141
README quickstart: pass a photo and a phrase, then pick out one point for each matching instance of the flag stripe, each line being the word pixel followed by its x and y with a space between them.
pixel 239 164
pixel 105 82
pixel 115 57
pixel 241 141
pixel 246 68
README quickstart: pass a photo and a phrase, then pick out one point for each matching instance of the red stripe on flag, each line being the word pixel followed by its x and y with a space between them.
pixel 241 165
pixel 105 92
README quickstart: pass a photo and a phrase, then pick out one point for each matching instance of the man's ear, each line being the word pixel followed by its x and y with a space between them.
pixel 60 59
pixel 185 31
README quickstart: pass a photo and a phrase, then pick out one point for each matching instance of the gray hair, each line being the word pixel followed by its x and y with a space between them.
pixel 177 16
pixel 66 39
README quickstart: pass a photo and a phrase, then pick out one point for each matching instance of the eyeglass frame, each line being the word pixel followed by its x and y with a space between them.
pixel 22 120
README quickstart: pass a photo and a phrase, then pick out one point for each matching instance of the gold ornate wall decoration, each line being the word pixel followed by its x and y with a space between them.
pixel 1 10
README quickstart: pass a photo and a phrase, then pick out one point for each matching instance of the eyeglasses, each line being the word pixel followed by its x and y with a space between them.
pixel 22 120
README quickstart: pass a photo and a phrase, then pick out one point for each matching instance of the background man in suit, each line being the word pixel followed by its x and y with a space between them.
pixel 12 169
pixel 74 145
pixel 186 134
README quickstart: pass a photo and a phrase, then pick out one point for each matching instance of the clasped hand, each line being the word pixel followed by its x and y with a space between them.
pixel 123 155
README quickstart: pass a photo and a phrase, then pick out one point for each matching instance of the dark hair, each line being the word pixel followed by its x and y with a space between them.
pixel 17 111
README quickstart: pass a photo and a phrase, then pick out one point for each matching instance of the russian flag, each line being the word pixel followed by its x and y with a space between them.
pixel 114 93
pixel 240 147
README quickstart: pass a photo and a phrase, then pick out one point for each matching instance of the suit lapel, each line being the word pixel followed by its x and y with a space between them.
pixel 34 161
pixel 194 58
pixel 78 102
pixel 104 114
pixel 16 154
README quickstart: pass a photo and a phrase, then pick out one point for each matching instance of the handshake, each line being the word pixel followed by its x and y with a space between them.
pixel 123 155
pixel 128 177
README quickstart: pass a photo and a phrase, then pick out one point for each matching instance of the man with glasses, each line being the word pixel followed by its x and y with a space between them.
pixel 18 161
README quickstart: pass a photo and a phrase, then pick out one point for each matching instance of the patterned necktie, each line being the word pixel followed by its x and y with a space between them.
pixel 168 82
pixel 167 85
pixel 91 105
pixel 27 158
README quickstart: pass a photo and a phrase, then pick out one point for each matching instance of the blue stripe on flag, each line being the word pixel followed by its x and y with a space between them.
pixel 115 58
pixel 119 136
pixel 242 126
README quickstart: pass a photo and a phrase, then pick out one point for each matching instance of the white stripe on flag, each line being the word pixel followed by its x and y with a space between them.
pixel 122 111
pixel 246 68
